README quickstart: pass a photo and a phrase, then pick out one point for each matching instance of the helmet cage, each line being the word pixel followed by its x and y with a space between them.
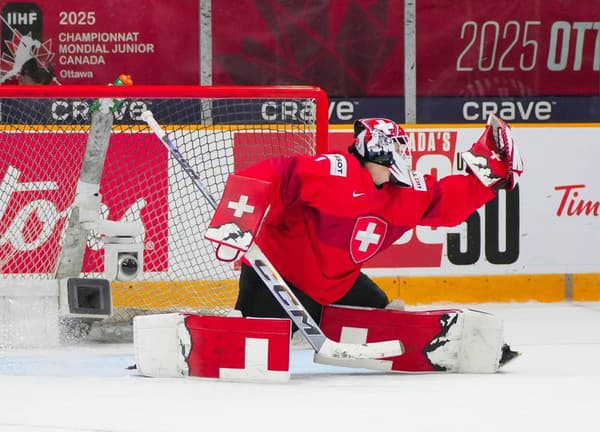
pixel 380 148
pixel 383 142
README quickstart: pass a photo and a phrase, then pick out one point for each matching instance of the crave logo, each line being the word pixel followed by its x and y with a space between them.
pixel 37 192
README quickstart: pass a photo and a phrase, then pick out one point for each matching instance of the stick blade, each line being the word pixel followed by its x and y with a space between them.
pixel 374 350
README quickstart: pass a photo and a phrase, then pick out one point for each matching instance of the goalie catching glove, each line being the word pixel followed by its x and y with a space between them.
pixel 494 158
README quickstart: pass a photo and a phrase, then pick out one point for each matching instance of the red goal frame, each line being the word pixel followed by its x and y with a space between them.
pixel 183 92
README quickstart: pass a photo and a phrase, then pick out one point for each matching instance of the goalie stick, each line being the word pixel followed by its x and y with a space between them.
pixel 276 284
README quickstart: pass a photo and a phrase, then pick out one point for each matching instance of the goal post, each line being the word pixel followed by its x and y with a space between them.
pixel 66 167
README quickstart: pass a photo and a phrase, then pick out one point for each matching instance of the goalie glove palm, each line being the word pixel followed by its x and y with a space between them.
pixel 494 158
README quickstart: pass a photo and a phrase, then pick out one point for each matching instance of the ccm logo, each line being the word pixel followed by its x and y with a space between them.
pixel 508 110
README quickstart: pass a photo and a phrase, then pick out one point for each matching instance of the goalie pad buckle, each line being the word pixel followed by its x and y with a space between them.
pixel 239 216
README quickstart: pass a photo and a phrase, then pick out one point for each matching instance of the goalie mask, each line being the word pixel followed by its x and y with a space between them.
pixel 383 142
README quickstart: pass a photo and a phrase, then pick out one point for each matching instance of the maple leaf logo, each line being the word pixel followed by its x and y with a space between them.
pixel 20 49
pixel 349 55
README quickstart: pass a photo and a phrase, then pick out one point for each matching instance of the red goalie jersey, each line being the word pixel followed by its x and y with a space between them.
pixel 327 217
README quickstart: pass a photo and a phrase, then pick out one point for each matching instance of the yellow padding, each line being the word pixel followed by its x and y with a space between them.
pixel 163 295
pixel 586 287
pixel 475 289
pixel 166 295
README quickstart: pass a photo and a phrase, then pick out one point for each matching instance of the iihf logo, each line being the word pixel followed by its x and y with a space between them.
pixel 22 39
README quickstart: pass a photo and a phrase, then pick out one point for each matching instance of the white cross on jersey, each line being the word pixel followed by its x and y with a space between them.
pixel 240 207
pixel 367 237
pixel 384 126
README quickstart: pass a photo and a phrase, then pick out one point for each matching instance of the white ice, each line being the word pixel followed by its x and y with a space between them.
pixel 553 386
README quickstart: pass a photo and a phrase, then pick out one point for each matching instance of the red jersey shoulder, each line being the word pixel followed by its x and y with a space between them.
pixel 336 165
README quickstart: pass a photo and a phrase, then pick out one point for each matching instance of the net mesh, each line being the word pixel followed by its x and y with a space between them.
pixel 42 154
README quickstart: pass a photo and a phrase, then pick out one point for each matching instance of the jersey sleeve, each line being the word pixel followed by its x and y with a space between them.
pixel 454 199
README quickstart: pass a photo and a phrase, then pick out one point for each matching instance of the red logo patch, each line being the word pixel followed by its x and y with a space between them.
pixel 367 237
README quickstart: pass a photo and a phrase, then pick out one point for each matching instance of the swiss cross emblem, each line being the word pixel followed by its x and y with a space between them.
pixel 388 127
pixel 240 207
pixel 385 126
pixel 244 202
pixel 367 237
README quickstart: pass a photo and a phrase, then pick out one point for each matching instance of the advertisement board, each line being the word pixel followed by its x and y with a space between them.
pixel 537 242
pixel 347 47
pixel 529 62
pixel 36 198
pixel 529 109
pixel 90 42
pixel 540 48
pixel 548 224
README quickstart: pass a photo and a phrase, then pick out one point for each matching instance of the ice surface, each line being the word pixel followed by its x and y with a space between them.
pixel 553 386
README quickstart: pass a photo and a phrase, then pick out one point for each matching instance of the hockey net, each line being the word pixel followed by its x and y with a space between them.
pixel 43 137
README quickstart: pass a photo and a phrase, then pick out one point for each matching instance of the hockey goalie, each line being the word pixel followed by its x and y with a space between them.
pixel 331 213
pixel 319 219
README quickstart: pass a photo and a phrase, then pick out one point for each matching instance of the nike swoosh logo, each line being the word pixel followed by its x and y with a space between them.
pixel 357 194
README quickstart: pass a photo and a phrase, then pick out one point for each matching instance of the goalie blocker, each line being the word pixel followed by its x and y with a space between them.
pixel 238 217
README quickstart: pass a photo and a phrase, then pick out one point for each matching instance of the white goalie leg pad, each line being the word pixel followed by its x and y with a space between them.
pixel 444 340
pixel 161 343
pixel 482 340
pixel 227 348
pixel 473 344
